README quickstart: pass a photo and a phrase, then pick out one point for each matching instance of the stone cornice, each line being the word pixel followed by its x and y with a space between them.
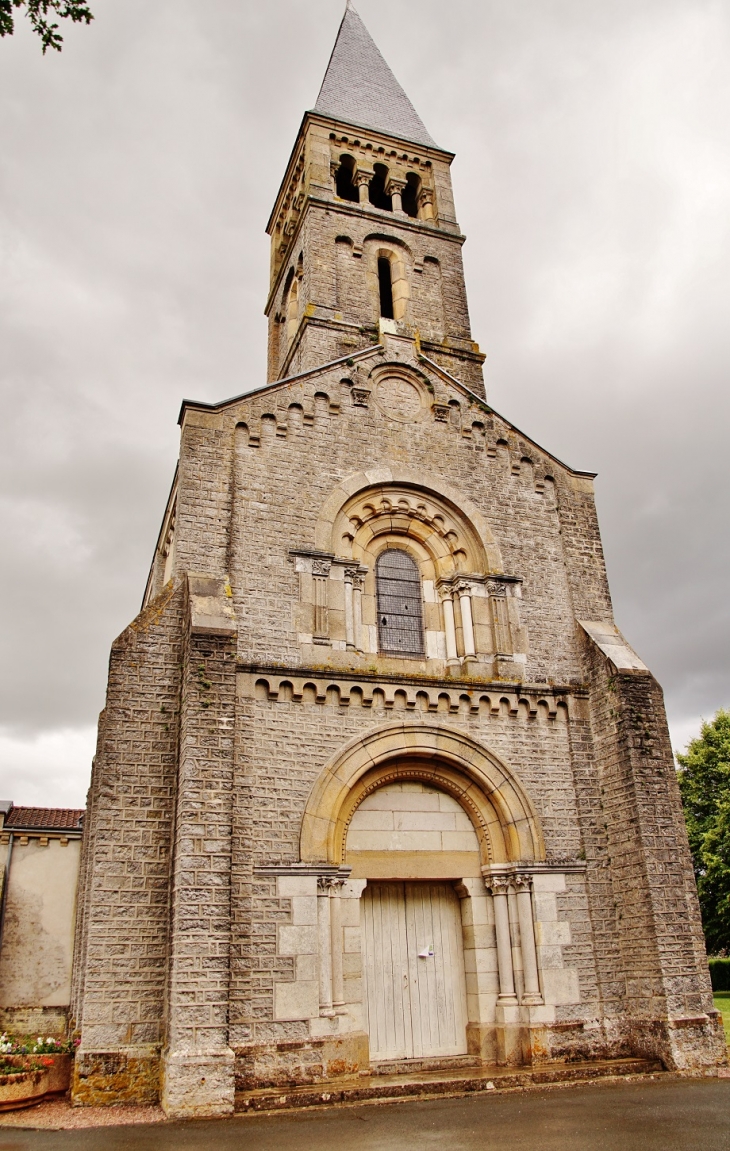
pixel 532 867
pixel 332 674
pixel 323 870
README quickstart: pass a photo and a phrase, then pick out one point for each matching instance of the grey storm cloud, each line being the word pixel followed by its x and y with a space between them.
pixel 137 171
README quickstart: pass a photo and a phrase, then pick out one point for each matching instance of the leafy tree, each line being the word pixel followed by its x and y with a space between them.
pixel 41 13
pixel 704 781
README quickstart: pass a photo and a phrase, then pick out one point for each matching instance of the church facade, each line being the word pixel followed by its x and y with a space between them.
pixel 378 779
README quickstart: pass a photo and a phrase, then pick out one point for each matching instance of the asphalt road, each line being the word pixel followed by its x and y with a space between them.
pixel 679 1115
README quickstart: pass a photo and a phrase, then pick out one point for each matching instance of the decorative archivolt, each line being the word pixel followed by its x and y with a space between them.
pixel 501 812
pixel 443 542
pixel 402 507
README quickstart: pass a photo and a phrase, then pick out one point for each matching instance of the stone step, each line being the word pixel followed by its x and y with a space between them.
pixel 429 1084
pixel 415 1066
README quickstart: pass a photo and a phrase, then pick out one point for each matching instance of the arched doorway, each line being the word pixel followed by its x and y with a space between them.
pixel 435 832
pixel 407 838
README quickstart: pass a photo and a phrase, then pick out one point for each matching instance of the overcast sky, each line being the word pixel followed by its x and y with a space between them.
pixel 137 171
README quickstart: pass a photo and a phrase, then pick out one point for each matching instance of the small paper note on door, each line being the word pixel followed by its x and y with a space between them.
pixel 426 953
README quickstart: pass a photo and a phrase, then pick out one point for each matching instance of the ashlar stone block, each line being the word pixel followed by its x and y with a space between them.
pixel 297 1000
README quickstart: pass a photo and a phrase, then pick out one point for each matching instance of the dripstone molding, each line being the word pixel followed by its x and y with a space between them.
pixel 378 778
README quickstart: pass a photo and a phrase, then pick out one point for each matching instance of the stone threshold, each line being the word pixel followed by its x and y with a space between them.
pixel 442 1083
pixel 415 1066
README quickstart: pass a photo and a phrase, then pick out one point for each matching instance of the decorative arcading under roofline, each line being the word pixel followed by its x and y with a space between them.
pixel 530 703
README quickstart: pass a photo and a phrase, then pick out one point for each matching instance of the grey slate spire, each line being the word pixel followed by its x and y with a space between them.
pixel 359 87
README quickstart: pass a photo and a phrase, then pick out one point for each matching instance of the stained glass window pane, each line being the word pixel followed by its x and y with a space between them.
pixel 400 615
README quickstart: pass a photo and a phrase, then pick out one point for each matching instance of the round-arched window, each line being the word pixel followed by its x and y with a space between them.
pixel 400 614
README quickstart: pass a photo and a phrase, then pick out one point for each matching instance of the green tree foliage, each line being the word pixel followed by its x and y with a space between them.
pixel 41 13
pixel 704 781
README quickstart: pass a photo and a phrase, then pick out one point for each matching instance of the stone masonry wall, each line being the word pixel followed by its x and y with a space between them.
pixel 339 291
pixel 121 963
pixel 285 744
pixel 287 434
pixel 661 948
pixel 199 957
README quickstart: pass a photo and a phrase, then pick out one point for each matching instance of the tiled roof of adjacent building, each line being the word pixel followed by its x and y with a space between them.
pixel 45 818
pixel 359 87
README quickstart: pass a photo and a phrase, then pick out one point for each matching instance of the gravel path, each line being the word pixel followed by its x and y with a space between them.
pixel 58 1114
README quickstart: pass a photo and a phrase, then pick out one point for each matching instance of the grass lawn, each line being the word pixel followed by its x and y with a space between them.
pixel 722 1003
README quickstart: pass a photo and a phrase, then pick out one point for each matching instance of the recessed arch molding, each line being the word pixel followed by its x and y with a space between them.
pixel 387 475
pixel 492 795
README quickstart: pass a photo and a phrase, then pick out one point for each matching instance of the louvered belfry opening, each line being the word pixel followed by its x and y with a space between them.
pixel 400 616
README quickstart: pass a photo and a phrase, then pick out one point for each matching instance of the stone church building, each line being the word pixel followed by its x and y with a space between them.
pixel 379 784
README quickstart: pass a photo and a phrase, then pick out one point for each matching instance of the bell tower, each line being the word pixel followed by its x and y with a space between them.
pixel 364 237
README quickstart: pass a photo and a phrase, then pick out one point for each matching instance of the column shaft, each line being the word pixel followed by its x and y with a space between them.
pixel 357 611
pixel 324 932
pixel 449 627
pixel 467 622
pixel 531 994
pixel 350 634
pixel 504 947
pixel 338 983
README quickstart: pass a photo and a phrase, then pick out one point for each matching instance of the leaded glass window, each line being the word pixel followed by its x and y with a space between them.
pixel 400 616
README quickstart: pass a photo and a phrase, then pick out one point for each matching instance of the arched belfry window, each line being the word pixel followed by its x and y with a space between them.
pixel 376 189
pixel 400 615
pixel 344 184
pixel 385 287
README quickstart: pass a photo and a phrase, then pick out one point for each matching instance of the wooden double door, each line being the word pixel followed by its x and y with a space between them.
pixel 413 966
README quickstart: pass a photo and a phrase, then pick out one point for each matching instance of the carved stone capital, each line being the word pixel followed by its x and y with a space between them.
pixel 445 589
pixel 362 176
pixel 522 881
pixel 441 412
pixel 329 884
pixel 498 884
pixel 395 185
pixel 355 577
pixel 360 397
pixel 462 587
pixel 496 587
pixel 321 567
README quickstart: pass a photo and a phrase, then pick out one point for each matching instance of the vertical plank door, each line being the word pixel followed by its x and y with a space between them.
pixel 413 963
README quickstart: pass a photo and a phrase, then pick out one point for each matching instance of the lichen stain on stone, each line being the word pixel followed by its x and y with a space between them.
pixel 101 1080
pixel 339 1067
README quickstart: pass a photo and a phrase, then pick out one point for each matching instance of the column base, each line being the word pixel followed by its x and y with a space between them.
pixel 683 1043
pixel 198 1086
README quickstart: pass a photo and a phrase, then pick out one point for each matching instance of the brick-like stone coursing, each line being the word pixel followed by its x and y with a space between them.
pixel 225 706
